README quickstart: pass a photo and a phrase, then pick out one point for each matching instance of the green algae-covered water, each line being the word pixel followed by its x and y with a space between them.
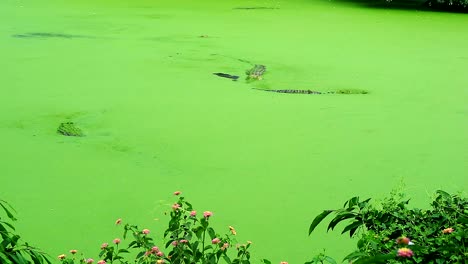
pixel 136 77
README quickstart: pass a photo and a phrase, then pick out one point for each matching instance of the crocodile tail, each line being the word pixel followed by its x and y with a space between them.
pixel 265 90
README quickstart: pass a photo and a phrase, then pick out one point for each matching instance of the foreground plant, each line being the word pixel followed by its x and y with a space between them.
pixel 389 232
pixel 12 249
pixel 188 239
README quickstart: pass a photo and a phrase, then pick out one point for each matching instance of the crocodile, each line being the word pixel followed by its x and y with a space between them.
pixel 70 129
pixel 256 73
pixel 48 35
pixel 291 91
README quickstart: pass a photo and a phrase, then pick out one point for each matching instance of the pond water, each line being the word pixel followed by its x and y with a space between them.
pixel 136 77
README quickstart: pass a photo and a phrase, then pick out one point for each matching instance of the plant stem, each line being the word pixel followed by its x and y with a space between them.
pixel 203 243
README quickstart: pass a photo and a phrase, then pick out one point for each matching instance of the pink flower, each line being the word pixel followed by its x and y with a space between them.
pixel 101 262
pixel 183 241
pixel 233 231
pixel 215 241
pixel 193 213
pixel 155 249
pixel 118 221
pixel 403 240
pixel 207 214
pixel 73 251
pixel 177 193
pixel 405 253
pixel 116 241
pixel 89 261
pixel 448 230
pixel 62 256
pixel 147 253
pixel 283 262
pixel 104 246
pixel 175 206
pixel 159 254
pixel 145 231
pixel 174 243
pixel 225 245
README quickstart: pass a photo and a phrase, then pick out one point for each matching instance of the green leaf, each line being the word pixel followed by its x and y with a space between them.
pixel 354 255
pixel 168 243
pixel 363 203
pixel 35 257
pixel 266 261
pixel 228 260
pixel 132 244
pixel 19 258
pixel 376 259
pixel 204 223
pixel 211 232
pixel 208 247
pixel 443 194
pixel 353 201
pixel 7 224
pixel 195 245
pixel 352 228
pixel 319 219
pixel 8 213
pixel 338 219
pixel 198 232
pixel 4 259
pixel 139 255
pixel 329 260
pixel 122 250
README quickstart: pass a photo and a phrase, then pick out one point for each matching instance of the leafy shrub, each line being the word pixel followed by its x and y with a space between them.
pixel 389 232
pixel 448 4
pixel 12 250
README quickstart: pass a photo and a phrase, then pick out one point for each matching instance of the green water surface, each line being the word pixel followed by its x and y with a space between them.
pixel 137 78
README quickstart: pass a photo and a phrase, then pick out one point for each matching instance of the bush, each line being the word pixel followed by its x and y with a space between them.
pixel 389 232
pixel 12 250
pixel 461 5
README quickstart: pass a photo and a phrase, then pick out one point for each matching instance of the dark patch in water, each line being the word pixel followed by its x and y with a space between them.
pixel 255 8
pixel 226 75
pixel 48 35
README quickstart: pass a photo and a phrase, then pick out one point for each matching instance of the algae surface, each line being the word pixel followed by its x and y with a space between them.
pixel 158 120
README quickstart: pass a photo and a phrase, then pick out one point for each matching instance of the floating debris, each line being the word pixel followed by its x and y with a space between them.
pixel 69 129
pixel 226 75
